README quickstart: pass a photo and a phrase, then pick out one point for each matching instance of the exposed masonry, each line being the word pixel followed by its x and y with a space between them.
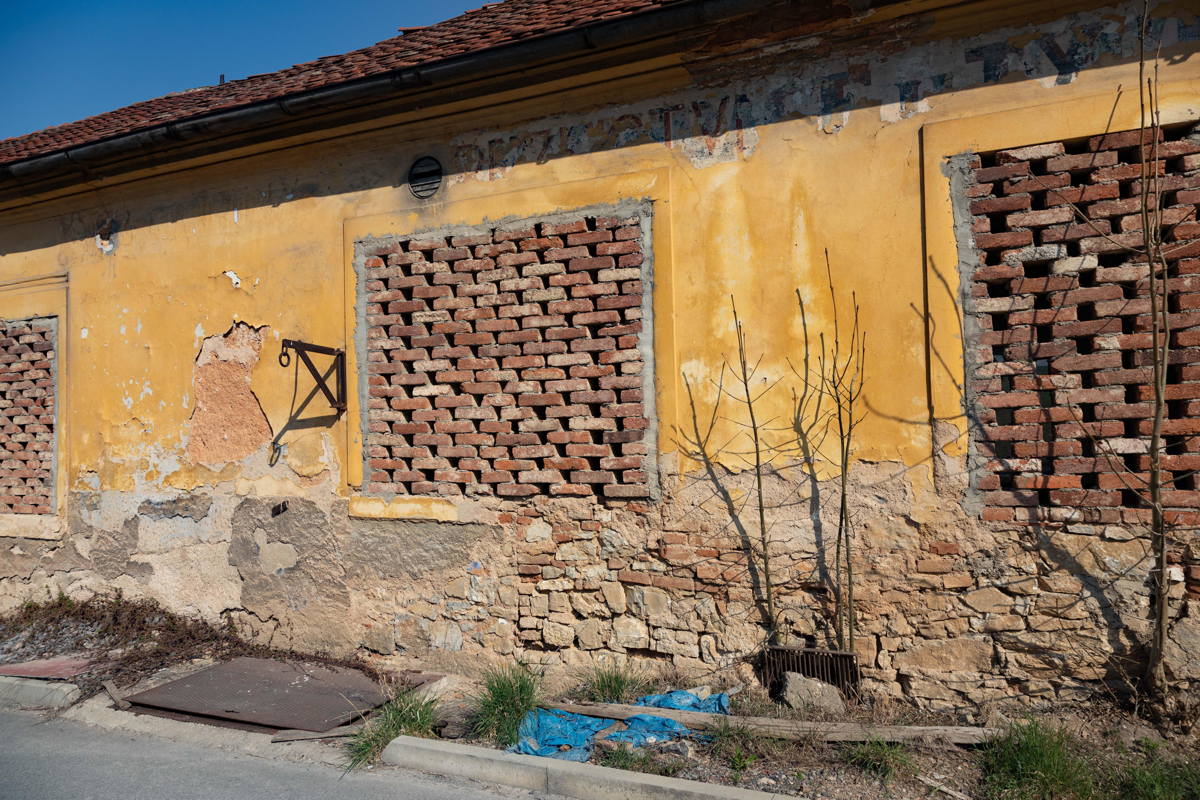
pixel 1062 362
pixel 27 400
pixel 509 361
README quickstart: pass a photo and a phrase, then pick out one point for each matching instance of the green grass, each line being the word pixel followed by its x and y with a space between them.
pixel 884 760
pixel 741 747
pixel 509 693
pixel 1034 761
pixel 641 761
pixel 618 683
pixel 740 759
pixel 404 715
pixel 1158 778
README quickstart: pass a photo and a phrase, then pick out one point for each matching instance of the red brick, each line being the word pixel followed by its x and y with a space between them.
pixel 991 174
pixel 1008 239
pixel 992 205
pixel 478 339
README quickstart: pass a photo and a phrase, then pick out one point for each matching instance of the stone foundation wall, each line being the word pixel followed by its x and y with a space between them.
pixel 952 612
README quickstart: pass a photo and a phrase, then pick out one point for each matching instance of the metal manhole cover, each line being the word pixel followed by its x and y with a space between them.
pixel 275 694
pixel 59 668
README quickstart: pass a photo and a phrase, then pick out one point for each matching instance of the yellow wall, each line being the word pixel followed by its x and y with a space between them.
pixel 865 186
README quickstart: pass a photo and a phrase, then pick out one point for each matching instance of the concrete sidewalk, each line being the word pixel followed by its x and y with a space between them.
pixel 63 759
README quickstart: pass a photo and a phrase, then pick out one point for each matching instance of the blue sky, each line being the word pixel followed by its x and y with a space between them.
pixel 63 60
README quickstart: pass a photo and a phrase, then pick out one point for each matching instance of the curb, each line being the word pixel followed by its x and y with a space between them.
pixel 32 693
pixel 566 778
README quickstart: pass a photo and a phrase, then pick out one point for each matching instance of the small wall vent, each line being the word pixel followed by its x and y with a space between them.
pixel 425 177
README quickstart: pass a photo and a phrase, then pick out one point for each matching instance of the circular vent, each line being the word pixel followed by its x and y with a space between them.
pixel 425 177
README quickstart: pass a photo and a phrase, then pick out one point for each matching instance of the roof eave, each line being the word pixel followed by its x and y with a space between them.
pixel 130 151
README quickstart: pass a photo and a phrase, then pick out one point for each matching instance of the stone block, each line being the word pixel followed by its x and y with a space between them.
pixel 592 634
pixel 988 600
pixel 803 693
pixel 614 595
pixel 630 632
pixel 958 580
pixel 444 635
pixel 647 601
pixel 960 655
pixel 557 635
pixel 1004 622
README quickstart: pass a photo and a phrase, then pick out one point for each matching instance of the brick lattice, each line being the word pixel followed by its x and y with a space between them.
pixel 1062 363
pixel 508 362
pixel 27 397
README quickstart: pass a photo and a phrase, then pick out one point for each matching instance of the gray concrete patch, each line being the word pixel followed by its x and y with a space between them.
pixel 195 506
pixel 566 778
pixel 961 174
pixel 33 693
pixel 401 548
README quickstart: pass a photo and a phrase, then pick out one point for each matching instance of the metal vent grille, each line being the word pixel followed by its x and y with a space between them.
pixel 425 177
pixel 834 667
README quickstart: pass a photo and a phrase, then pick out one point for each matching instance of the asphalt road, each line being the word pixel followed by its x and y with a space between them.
pixel 67 760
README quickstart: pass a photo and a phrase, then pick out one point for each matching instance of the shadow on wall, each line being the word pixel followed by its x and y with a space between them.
pixel 296 419
pixel 874 68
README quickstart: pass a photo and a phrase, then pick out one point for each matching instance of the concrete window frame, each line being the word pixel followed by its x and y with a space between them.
pixel 645 192
pixel 44 297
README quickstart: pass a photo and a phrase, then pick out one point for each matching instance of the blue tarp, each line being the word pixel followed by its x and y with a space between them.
pixel 686 701
pixel 544 731
pixel 645 729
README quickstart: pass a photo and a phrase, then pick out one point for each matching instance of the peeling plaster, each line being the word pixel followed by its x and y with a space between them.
pixel 228 423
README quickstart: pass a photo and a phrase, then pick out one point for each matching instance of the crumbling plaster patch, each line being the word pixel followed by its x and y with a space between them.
pixel 228 423
pixel 194 506
pixel 292 570
pixel 398 549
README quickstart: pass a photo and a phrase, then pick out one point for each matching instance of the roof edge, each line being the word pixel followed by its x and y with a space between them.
pixel 123 153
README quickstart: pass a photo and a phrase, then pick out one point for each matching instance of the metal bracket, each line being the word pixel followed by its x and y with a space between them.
pixel 302 349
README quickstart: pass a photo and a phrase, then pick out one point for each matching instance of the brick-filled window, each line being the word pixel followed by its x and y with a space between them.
pixel 509 362
pixel 27 399
pixel 1062 363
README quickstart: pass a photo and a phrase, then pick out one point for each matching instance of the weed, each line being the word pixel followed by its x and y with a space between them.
pixel 884 760
pixel 641 761
pixel 1033 761
pixel 618 683
pixel 740 760
pixel 509 693
pixel 405 715
pixel 725 737
pixel 756 703
pixel 741 747
pixel 1158 778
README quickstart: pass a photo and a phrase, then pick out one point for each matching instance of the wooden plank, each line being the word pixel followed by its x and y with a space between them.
pixel 787 728
pixel 957 795
pixel 118 699
pixel 300 736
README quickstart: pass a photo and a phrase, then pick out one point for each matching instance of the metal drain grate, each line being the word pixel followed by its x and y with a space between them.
pixel 835 667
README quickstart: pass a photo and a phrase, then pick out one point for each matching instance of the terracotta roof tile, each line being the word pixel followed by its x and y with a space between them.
pixel 492 25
